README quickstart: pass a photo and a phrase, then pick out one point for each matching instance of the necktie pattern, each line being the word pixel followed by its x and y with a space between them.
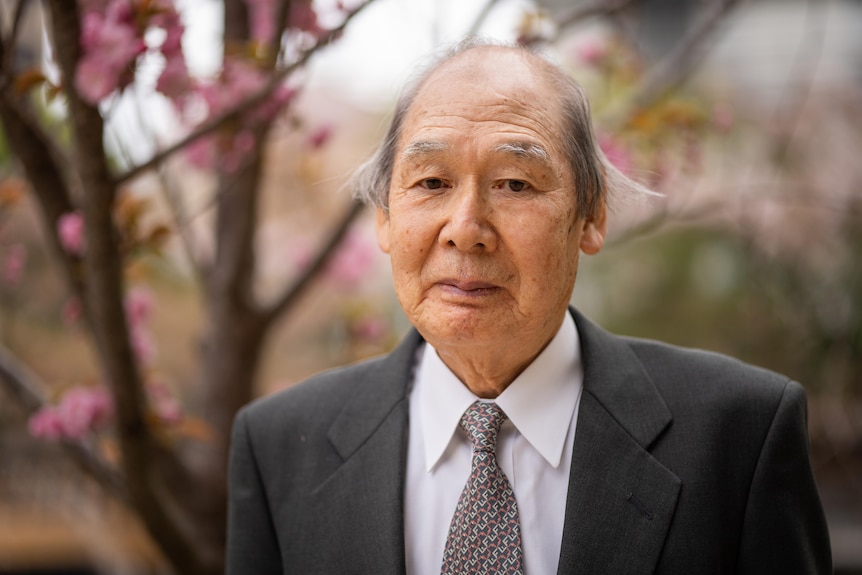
pixel 485 534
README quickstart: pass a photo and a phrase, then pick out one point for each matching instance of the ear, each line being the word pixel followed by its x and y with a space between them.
pixel 383 230
pixel 593 234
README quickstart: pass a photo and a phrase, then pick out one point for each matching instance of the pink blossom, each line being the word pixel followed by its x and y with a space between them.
pixel 95 80
pixel 722 117
pixel 371 328
pixel 143 345
pixel 85 409
pixel 139 305
pixel 303 17
pixel 353 260
pixel 174 81
pixel 13 268
pixel 46 424
pixel 70 228
pixel 72 311
pixel 593 52
pixel 318 138
pixel 111 42
pixel 82 410
pixel 616 153
pixel 164 403
pixel 299 254
pixel 201 153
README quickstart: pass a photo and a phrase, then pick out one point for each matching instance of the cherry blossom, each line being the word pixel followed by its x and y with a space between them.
pixel 163 403
pixel 616 153
pixel 319 137
pixel 352 261
pixel 139 305
pixel 593 52
pixel 111 42
pixel 13 266
pixel 70 228
pixel 82 410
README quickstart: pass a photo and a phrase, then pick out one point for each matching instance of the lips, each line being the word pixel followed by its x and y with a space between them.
pixel 466 287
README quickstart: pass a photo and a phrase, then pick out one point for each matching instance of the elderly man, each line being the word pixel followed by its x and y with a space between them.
pixel 507 433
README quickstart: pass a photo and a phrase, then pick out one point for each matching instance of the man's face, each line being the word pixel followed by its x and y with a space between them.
pixel 482 229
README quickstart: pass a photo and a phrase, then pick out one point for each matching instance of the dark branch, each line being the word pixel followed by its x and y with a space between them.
pixel 255 99
pixel 292 293
pixel 26 389
pixel 675 68
pixel 596 8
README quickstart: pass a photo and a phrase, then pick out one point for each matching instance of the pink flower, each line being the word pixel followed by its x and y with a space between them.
pixel 72 311
pixel 95 80
pixel 318 138
pixel 303 17
pixel 81 411
pixel 84 410
pixel 593 52
pixel 139 305
pixel 70 228
pixel 111 42
pixel 13 268
pixel 353 260
pixel 201 153
pixel 371 328
pixel 722 117
pixel 616 153
pixel 46 424
pixel 174 81
pixel 164 404
pixel 143 345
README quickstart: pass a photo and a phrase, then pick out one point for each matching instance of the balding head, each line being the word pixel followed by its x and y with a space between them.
pixel 593 177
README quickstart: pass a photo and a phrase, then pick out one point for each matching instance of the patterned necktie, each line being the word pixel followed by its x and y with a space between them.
pixel 485 534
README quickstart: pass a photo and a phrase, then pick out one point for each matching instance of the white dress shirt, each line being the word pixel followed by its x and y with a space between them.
pixel 534 450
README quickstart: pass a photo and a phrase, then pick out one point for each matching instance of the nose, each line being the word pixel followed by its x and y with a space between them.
pixel 468 224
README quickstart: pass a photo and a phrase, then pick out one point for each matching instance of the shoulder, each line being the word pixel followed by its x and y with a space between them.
pixel 711 385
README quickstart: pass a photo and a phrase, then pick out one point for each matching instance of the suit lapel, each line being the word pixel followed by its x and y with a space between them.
pixel 621 500
pixel 366 490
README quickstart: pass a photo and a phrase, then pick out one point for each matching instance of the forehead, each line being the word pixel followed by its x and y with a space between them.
pixel 489 91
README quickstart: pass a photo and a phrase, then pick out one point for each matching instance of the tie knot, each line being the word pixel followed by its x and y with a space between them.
pixel 482 421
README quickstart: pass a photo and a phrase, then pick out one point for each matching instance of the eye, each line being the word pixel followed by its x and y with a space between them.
pixel 516 185
pixel 432 183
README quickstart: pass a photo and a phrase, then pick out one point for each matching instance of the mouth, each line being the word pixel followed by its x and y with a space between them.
pixel 467 288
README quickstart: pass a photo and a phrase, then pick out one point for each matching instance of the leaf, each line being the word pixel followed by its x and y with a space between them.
pixel 28 80
pixel 11 191
pixel 158 236
pixel 195 428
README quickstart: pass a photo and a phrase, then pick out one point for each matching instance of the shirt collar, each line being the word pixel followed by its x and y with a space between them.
pixel 540 402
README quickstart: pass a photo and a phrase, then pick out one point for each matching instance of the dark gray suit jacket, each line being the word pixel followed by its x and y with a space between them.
pixel 684 462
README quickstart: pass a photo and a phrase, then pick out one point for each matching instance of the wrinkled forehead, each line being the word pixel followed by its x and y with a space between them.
pixel 506 87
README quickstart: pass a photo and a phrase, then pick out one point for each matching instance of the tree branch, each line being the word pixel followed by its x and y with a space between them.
pixel 25 388
pixel 292 293
pixel 39 158
pixel 596 8
pixel 103 265
pixel 675 68
pixel 255 99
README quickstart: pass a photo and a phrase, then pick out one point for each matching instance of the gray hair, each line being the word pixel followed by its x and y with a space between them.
pixel 595 178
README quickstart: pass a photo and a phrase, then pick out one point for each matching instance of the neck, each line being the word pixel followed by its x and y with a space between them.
pixel 489 370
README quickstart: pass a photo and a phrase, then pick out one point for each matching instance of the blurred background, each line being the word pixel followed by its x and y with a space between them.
pixel 746 118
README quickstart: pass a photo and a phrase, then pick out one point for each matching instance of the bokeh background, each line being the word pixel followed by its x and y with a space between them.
pixel 744 117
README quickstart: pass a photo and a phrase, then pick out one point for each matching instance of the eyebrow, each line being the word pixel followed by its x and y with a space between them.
pixel 423 148
pixel 526 150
